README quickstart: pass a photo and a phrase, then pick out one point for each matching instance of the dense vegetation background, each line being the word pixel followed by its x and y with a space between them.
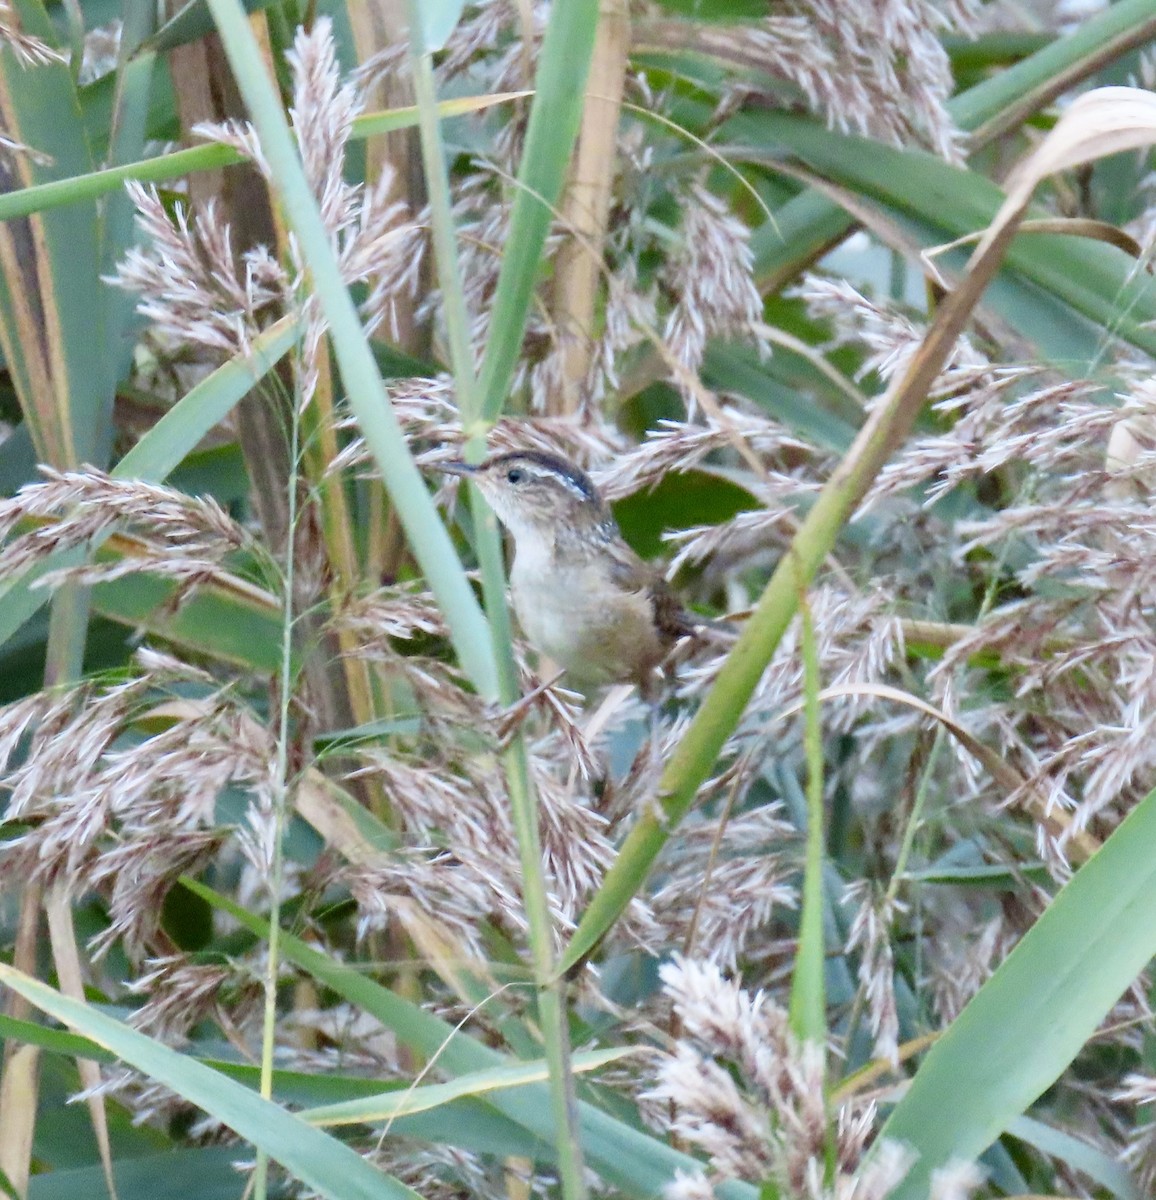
pixel 313 880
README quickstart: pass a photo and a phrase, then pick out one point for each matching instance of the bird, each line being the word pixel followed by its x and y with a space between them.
pixel 583 597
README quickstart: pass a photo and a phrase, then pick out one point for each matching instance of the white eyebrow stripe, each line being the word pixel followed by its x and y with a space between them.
pixel 571 485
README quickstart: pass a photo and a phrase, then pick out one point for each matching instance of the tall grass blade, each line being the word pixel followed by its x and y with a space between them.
pixel 637 1164
pixel 1016 1037
pixel 319 1161
pixel 554 120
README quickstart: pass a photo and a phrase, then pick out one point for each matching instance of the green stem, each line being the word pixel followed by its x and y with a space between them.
pixel 910 829
pixel 444 237
pixel 808 1012
pixel 559 88
pixel 67 632
pixel 913 819
pixel 523 799
pixel 280 799
pixel 488 542
pixel 56 193
pixel 552 1012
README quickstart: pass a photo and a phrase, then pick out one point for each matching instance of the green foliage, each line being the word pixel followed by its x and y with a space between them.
pixel 373 690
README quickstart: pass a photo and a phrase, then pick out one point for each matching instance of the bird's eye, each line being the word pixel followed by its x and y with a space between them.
pixel 515 475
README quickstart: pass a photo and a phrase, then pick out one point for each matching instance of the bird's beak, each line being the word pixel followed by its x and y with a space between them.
pixel 456 468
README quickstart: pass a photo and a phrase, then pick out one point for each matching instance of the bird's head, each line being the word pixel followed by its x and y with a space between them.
pixel 533 493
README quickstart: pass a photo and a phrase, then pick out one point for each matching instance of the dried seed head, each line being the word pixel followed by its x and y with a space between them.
pixel 871 931
pixel 957 1181
pixel 722 886
pixel 181 537
pixel 29 51
pixel 195 288
pixel 739 1087
pixel 198 292
pixel 680 446
pixel 688 1185
pixel 877 69
pixel 712 277
pixel 110 809
pixel 182 993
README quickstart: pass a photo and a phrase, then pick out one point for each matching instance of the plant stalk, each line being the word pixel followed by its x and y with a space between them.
pixel 280 798
pixel 808 1011
pixel 523 799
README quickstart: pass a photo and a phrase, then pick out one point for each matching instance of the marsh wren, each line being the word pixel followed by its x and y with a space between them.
pixel 583 597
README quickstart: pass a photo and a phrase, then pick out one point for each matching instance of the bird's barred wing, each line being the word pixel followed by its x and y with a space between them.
pixel 634 574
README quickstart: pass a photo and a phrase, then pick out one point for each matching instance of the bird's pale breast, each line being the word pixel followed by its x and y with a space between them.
pixel 574 616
